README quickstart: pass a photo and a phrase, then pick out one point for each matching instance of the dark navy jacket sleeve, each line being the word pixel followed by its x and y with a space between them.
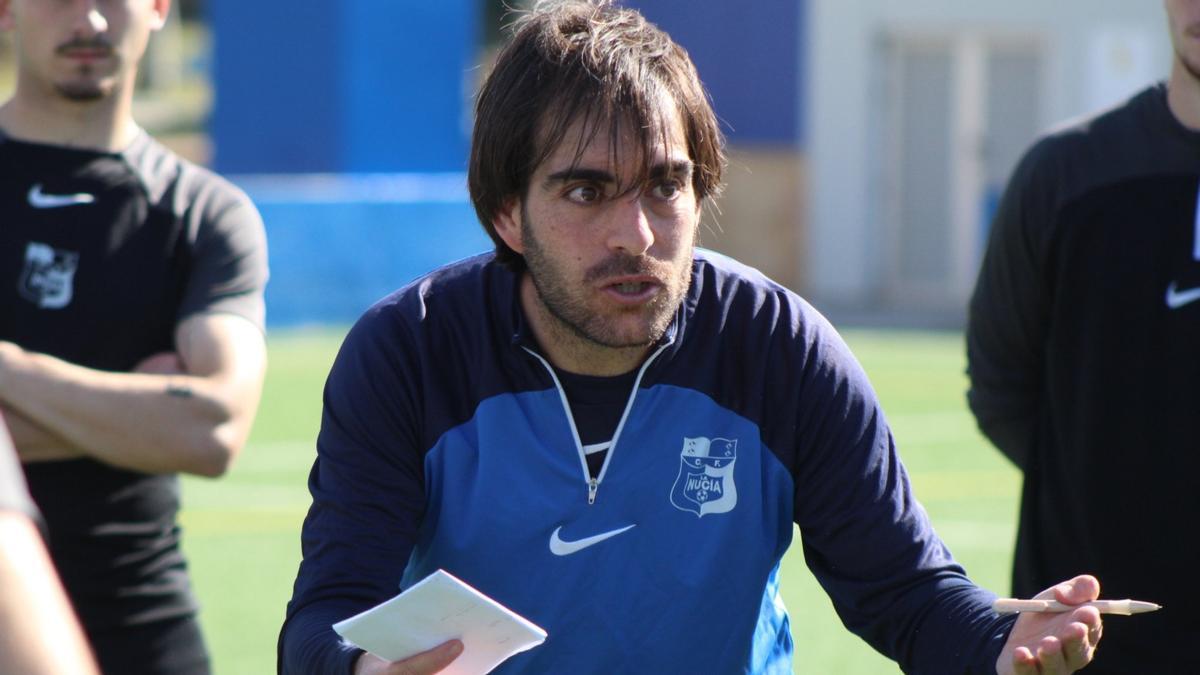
pixel 367 490
pixel 866 538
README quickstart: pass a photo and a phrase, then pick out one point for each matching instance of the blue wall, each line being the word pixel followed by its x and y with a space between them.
pixel 274 73
pixel 749 57
pixel 386 85
pixel 339 243
pixel 335 86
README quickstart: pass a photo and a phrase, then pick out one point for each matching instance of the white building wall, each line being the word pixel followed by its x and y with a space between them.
pixel 842 256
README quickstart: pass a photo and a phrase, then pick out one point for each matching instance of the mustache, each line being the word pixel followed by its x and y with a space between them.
pixel 95 44
pixel 627 265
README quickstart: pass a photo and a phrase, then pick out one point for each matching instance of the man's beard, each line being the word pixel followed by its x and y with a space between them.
pixel 90 86
pixel 81 92
pixel 569 306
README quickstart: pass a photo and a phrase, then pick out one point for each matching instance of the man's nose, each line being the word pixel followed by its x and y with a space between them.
pixel 630 230
pixel 91 21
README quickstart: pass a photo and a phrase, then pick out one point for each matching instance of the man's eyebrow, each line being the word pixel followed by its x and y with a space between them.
pixel 679 167
pixel 581 173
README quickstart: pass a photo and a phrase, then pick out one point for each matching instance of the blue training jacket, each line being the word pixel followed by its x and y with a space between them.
pixel 446 442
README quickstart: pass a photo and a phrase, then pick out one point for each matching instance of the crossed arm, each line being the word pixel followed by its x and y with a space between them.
pixel 186 411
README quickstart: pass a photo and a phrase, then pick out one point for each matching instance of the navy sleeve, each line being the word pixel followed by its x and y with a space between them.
pixel 867 540
pixel 367 487
pixel 1008 316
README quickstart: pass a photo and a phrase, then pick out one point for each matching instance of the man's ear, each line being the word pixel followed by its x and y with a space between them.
pixel 507 223
pixel 161 9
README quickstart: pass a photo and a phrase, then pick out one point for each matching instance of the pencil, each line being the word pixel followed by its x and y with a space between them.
pixel 1126 607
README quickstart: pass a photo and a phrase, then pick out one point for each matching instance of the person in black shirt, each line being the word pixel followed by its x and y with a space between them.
pixel 131 324
pixel 1082 350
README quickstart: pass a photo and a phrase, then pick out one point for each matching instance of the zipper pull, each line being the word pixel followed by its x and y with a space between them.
pixel 593 485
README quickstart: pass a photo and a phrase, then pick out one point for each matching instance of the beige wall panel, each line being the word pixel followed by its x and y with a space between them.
pixel 759 221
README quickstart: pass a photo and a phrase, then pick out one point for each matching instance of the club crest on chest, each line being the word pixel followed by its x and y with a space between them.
pixel 48 278
pixel 705 482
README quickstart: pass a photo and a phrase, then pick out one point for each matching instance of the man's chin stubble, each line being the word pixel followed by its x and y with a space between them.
pixel 80 94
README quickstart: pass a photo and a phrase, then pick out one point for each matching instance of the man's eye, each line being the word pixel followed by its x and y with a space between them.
pixel 584 194
pixel 668 190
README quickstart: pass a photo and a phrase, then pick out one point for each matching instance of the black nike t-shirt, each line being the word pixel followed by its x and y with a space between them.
pixel 1084 357
pixel 102 255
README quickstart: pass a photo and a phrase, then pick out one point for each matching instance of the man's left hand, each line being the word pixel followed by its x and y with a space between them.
pixel 1055 643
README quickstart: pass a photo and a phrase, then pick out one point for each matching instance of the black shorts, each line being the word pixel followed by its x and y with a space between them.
pixel 170 647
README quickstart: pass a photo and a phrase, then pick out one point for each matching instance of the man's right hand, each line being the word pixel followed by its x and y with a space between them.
pixel 425 663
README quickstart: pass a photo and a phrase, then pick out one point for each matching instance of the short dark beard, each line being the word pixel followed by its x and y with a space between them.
pixel 84 92
pixel 569 313
pixel 80 93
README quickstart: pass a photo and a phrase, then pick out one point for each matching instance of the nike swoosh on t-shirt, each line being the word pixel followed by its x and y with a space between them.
pixel 41 200
pixel 1177 298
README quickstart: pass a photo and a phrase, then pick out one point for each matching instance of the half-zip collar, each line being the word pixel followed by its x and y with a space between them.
pixel 522 337
pixel 593 483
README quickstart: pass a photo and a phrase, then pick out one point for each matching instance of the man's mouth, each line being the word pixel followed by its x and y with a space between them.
pixel 633 291
pixel 629 287
pixel 80 50
pixel 86 55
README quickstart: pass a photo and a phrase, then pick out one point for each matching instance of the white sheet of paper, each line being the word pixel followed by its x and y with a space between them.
pixel 440 607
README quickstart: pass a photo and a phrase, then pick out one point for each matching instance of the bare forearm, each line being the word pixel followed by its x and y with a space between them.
pixel 35 443
pixel 147 422
pixel 38 629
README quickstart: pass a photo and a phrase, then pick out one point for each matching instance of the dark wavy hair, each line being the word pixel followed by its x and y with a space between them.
pixel 589 61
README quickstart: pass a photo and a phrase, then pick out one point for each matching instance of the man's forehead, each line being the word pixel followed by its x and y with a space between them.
pixel 598 142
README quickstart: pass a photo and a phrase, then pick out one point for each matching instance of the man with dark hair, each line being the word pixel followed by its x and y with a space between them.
pixel 1082 354
pixel 612 432
pixel 131 310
